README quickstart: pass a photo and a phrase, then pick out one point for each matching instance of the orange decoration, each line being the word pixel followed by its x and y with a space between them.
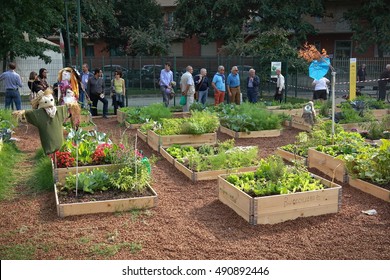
pixel 310 53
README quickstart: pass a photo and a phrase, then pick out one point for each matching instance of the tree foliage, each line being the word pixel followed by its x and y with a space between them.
pixel 370 23
pixel 23 22
pixel 224 19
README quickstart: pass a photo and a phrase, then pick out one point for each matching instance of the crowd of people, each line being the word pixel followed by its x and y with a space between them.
pixel 196 88
pixel 85 87
pixel 91 86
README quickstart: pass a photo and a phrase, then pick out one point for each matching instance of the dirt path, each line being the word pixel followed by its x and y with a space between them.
pixel 189 222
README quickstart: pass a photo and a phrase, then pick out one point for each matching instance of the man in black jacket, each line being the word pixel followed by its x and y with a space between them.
pixel 383 79
pixel 95 89
pixel 252 86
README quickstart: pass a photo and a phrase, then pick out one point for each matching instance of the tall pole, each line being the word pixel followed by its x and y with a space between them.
pixel 333 101
pixel 80 51
pixel 67 32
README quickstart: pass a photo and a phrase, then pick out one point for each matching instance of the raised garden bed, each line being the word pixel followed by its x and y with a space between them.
pixel 156 141
pixel 331 166
pixel 299 123
pixel 290 112
pixel 279 208
pixel 59 174
pixel 142 136
pixel 250 134
pixel 105 206
pixel 369 188
pixel 133 125
pixel 121 116
pixel 201 175
pixel 290 157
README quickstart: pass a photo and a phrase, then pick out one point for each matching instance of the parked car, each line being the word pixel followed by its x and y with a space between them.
pixel 109 73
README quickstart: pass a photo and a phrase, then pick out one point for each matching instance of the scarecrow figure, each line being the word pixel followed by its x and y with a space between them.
pixel 48 119
pixel 68 93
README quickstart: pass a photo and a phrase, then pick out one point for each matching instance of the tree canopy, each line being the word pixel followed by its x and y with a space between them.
pixel 370 23
pixel 23 22
pixel 225 19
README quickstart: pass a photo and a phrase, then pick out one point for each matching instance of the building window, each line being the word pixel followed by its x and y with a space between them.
pixel 318 19
pixel 89 51
pixel 115 51
pixel 343 49
pixel 73 51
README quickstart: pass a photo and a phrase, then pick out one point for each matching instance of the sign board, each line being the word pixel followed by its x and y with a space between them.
pixel 274 66
pixel 352 78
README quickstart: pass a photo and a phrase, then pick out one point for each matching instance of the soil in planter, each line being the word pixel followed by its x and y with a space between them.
pixel 70 197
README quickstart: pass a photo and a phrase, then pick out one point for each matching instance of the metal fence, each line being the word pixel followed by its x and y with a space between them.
pixel 141 74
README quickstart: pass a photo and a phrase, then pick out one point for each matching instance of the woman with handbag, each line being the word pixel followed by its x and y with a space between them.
pixel 118 91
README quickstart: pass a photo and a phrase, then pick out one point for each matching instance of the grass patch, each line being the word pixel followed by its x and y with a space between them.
pixel 41 178
pixel 109 250
pixel 9 157
pixel 17 252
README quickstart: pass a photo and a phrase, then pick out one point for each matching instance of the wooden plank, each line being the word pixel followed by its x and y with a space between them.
pixel 292 202
pixel 187 172
pixel 260 133
pixel 133 125
pixel 85 118
pixel 333 167
pixel 379 114
pixel 107 206
pixel 227 131
pixel 290 112
pixel 207 138
pixel 61 173
pixel 120 116
pixel 181 114
pixel 273 218
pixel 142 136
pixel 240 202
pixel 167 156
pixel 153 140
pixel 213 174
pixel 290 156
pixel 299 123
pixel 369 188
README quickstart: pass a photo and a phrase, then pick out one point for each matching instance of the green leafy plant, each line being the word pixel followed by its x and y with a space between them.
pixel 88 181
pixel 273 177
pixel 139 115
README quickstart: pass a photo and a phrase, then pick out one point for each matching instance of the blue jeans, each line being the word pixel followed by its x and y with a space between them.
pixel 252 95
pixel 12 95
pixel 165 95
pixel 81 98
pixel 203 94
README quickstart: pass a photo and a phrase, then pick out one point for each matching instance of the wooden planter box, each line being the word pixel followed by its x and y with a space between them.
pixel 156 141
pixel 379 114
pixel 142 136
pixel 120 116
pixel 167 156
pixel 350 126
pixel 287 123
pixel 181 114
pixel 290 157
pixel 369 188
pixel 291 112
pixel 251 134
pixel 105 206
pixel 85 118
pixel 89 127
pixel 279 208
pixel 60 174
pixel 331 166
pixel 133 125
pixel 299 123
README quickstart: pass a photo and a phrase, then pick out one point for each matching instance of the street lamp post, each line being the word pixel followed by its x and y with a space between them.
pixel 80 48
pixel 67 31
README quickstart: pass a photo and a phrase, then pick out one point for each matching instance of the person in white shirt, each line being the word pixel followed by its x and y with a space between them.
pixel 320 89
pixel 187 87
pixel 279 86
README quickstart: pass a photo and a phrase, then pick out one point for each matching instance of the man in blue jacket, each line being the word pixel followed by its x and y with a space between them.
pixel 252 86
